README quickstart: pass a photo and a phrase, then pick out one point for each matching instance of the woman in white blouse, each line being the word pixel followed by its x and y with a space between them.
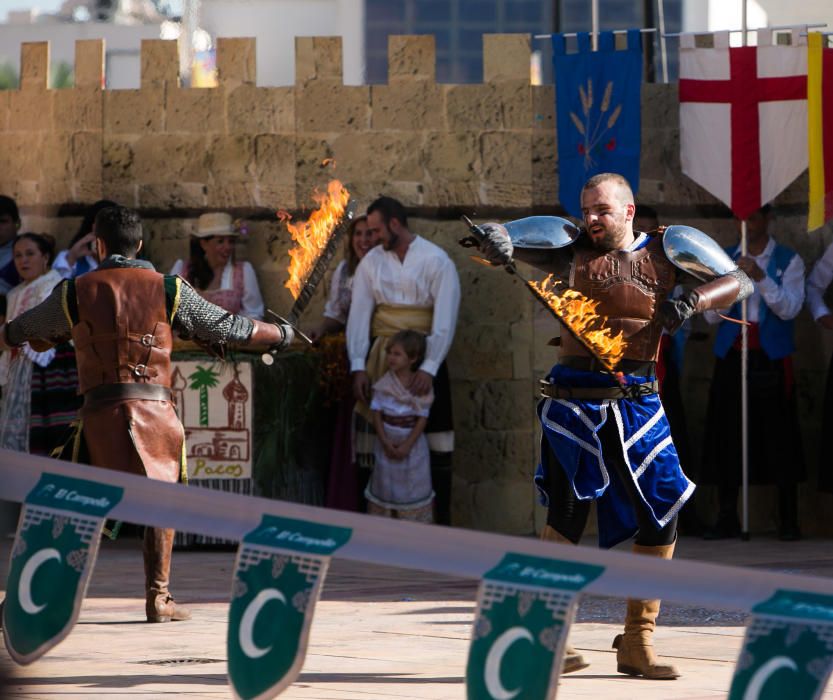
pixel 213 271
pixel 334 319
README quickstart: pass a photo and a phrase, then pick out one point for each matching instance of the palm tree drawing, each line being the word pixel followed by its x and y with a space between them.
pixel 204 378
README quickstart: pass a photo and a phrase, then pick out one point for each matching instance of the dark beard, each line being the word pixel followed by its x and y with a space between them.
pixel 606 242
pixel 390 243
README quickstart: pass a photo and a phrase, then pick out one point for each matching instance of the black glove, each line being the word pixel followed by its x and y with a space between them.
pixel 674 313
pixel 496 245
pixel 286 341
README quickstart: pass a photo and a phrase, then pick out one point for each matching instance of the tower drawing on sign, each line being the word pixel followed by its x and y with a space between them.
pixel 231 441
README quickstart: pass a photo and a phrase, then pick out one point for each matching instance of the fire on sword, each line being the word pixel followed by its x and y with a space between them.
pixel 576 313
pixel 316 242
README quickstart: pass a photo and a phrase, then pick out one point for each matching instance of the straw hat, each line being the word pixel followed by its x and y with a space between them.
pixel 215 224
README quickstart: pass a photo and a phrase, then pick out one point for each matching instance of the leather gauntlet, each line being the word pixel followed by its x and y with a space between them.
pixel 277 336
pixel 720 293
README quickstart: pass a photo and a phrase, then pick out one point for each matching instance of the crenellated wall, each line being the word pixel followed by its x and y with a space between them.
pixel 487 150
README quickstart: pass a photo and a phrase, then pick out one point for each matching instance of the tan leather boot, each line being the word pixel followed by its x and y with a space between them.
pixel 159 604
pixel 573 661
pixel 634 649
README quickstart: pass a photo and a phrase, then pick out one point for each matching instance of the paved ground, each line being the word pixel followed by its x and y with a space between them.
pixel 378 633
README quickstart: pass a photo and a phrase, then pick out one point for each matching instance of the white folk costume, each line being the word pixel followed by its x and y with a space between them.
pixel 402 485
pixel 421 293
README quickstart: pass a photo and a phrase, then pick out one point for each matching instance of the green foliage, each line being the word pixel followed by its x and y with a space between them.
pixel 62 76
pixel 9 80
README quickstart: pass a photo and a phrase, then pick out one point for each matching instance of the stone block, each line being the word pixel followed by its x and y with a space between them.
pixel 173 195
pixel 125 193
pixel 488 351
pixel 260 110
pixel 454 156
pixel 134 111
pixel 222 194
pixel 520 454
pixel 378 156
pixel 275 159
pixel 34 65
pixel 327 107
pixel 117 157
pixel 86 162
pixel 195 109
pixel 478 454
pixel 231 158
pixel 4 109
pixel 312 157
pixel 167 158
pixel 30 110
pixel 503 506
pixel 408 105
pixel 236 62
pixel 506 57
pixel 88 71
pixel 544 169
pixel 489 106
pixel 54 192
pixel 508 405
pixel 411 58
pixel 276 196
pixel 543 107
pixel 660 106
pixel 506 195
pixel 21 155
pixel 159 63
pixel 318 58
pixel 507 157
pixel 78 109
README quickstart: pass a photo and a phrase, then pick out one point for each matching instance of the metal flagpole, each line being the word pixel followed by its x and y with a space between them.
pixel 662 48
pixel 744 368
pixel 594 24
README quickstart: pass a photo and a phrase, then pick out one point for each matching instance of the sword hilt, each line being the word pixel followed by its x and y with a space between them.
pixel 268 358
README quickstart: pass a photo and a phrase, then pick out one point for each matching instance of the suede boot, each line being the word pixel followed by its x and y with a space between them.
pixel 159 604
pixel 573 661
pixel 634 649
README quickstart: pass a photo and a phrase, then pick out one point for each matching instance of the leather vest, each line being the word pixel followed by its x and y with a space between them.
pixel 629 287
pixel 122 335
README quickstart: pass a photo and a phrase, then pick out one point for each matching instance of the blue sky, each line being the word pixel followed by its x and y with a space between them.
pixel 42 5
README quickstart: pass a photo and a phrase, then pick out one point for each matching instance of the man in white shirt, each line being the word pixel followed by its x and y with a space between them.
pixel 407 283
pixel 775 454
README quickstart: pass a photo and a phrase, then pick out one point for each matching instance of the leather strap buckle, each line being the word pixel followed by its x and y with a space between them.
pixel 140 371
pixel 147 340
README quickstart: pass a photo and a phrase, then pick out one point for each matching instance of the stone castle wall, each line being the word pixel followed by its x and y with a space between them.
pixel 486 150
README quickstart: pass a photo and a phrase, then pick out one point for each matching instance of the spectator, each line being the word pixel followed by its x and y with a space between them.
pixel 9 226
pixel 775 454
pixel 79 257
pixel 407 283
pixel 817 285
pixel 39 388
pixel 213 271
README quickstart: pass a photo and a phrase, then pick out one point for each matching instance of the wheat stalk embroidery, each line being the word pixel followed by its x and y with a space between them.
pixel 594 127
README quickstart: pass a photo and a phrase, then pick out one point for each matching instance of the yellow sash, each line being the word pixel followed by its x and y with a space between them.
pixel 387 320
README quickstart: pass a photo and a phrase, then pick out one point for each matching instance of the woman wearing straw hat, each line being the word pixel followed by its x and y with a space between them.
pixel 213 271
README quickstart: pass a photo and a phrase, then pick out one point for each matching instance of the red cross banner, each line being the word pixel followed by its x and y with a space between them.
pixel 743 117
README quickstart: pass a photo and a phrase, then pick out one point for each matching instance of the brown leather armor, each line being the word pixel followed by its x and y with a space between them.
pixel 122 334
pixel 629 287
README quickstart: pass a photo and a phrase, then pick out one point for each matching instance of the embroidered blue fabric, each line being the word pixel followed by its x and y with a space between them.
pixel 571 428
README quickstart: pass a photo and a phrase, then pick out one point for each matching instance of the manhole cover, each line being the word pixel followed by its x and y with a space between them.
pixel 179 662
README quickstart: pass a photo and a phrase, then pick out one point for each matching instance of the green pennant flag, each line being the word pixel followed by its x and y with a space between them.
pixel 788 649
pixel 278 576
pixel 52 558
pixel 525 606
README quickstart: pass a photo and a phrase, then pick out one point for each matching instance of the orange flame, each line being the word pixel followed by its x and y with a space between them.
pixel 311 236
pixel 579 314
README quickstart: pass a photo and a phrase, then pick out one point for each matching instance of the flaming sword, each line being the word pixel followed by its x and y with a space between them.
pixel 313 279
pixel 510 267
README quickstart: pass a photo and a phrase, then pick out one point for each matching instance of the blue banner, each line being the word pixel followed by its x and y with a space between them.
pixel 597 102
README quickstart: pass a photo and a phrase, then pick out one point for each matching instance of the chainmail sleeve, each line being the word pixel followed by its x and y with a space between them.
pixel 48 321
pixel 200 319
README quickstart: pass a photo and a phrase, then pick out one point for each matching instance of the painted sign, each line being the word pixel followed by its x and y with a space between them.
pixel 215 402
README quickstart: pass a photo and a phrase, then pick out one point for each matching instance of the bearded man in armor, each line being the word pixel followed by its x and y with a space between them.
pixel 606 438
pixel 121 318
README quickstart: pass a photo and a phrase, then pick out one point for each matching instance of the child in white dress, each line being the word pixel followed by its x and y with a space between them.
pixel 400 486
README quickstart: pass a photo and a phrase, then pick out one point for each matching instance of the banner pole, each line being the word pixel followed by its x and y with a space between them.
pixel 594 24
pixel 744 404
pixel 663 50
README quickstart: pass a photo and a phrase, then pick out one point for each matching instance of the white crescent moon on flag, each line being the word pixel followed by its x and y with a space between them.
pixel 247 622
pixel 24 588
pixel 761 676
pixel 491 673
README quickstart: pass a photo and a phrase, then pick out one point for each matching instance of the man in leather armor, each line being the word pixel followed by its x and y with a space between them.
pixel 606 438
pixel 121 318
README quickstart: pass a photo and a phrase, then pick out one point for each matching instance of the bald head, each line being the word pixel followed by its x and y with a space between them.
pixel 608 208
pixel 620 186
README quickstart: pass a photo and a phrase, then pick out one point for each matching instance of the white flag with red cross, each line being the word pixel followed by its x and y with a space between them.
pixel 743 117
